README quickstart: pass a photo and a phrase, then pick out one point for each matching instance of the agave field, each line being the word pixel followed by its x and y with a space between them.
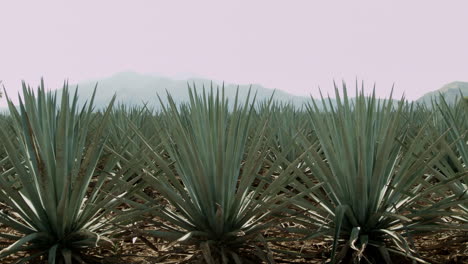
pixel 355 179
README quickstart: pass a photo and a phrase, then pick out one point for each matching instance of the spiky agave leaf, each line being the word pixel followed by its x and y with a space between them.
pixel 213 201
pixel 52 166
pixel 454 148
pixel 286 124
pixel 375 188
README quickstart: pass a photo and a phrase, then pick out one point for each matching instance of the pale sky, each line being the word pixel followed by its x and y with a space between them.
pixel 295 46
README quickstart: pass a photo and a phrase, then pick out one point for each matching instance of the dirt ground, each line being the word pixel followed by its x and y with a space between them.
pixel 449 247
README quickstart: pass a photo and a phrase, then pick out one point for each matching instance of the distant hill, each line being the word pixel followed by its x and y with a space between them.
pixel 135 89
pixel 450 91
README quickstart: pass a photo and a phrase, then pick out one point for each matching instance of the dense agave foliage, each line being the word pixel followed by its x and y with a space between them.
pixel 286 125
pixel 56 199
pixel 374 175
pixel 454 149
pixel 369 174
pixel 212 199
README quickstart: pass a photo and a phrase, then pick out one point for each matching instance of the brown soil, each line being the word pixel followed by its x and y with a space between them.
pixel 447 247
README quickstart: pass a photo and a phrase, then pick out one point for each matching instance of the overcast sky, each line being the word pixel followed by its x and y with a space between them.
pixel 295 46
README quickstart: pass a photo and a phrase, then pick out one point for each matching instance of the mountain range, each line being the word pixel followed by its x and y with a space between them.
pixel 137 89
pixel 450 91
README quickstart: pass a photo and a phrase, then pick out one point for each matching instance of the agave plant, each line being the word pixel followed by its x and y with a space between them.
pixel 121 134
pixel 218 197
pixel 375 192
pixel 286 124
pixel 454 120
pixel 46 185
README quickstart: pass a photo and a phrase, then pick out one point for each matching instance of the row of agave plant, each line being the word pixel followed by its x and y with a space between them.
pixel 368 173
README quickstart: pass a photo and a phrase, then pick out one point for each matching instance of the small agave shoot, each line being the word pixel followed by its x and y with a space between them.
pixel 375 193
pixel 50 165
pixel 212 200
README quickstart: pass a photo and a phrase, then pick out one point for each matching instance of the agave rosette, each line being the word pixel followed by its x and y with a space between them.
pixel 52 164
pixel 218 197
pixel 376 192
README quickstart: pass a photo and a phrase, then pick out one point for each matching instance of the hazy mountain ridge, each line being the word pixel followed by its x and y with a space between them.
pixel 450 91
pixel 136 89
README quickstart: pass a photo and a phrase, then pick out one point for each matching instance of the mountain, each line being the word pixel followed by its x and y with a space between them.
pixel 135 89
pixel 450 91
